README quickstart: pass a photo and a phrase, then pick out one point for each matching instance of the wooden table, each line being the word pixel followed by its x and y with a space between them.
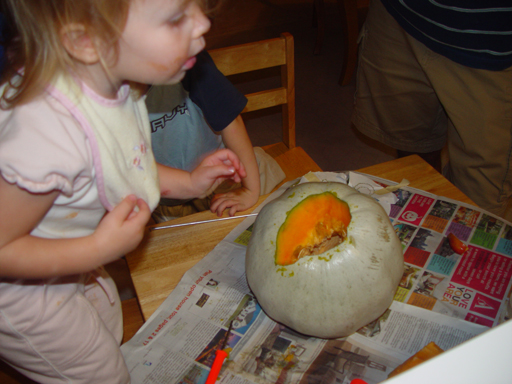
pixel 158 264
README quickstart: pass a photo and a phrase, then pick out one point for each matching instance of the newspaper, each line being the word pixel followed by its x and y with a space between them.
pixel 443 297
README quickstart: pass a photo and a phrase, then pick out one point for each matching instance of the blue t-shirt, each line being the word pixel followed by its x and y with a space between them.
pixel 184 116
pixel 477 34
pixel 218 99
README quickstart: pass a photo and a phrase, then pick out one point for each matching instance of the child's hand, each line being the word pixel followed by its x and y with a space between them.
pixel 236 200
pixel 214 169
pixel 122 229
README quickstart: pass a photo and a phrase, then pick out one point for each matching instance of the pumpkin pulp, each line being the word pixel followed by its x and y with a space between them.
pixel 315 225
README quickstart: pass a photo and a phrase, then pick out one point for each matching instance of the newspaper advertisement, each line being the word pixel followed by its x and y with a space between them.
pixel 471 283
pixel 443 297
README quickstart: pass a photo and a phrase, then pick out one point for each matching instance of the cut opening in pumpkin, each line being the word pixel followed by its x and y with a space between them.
pixel 315 225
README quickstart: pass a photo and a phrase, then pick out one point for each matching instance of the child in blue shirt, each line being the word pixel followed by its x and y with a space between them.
pixel 196 117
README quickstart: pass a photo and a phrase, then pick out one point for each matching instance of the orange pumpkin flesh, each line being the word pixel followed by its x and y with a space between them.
pixel 316 224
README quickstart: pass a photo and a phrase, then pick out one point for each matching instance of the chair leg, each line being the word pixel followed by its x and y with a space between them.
pixel 319 23
pixel 350 25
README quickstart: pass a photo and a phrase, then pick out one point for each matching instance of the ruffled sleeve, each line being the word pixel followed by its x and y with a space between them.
pixel 42 148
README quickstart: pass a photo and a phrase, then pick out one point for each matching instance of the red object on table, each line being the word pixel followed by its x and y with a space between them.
pixel 220 356
pixel 358 381
pixel 457 245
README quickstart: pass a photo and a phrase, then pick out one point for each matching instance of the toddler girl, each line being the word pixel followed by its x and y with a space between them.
pixel 78 176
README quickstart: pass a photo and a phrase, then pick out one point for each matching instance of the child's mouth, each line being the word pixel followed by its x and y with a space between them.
pixel 189 63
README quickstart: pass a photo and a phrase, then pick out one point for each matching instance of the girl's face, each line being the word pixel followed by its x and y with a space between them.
pixel 160 41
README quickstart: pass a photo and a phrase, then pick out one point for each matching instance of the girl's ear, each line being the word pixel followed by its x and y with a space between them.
pixel 79 44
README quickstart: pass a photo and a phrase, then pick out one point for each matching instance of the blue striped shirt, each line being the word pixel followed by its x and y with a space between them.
pixel 476 33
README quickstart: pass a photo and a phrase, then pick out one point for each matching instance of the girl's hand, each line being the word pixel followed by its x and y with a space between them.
pixel 122 229
pixel 236 200
pixel 214 169
pixel 25 256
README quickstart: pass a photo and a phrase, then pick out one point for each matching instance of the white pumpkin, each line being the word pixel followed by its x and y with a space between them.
pixel 334 293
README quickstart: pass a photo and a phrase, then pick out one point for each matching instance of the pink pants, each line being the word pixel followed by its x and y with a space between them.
pixel 65 330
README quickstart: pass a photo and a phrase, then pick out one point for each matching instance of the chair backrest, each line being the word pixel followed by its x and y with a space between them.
pixel 259 55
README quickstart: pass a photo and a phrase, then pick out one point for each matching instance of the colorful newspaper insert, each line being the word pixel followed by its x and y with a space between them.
pixel 472 282
pixel 416 209
pixel 484 271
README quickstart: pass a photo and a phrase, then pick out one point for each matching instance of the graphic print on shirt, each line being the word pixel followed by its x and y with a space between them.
pixel 160 123
pixel 137 160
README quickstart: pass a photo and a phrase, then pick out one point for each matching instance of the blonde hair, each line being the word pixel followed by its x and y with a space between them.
pixel 33 42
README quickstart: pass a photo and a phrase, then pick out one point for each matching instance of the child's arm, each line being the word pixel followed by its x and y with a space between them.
pixel 213 170
pixel 235 138
pixel 25 256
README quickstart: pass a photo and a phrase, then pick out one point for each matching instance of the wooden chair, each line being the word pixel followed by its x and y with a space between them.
pixel 277 52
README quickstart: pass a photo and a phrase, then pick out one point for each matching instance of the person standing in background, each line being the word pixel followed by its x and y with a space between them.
pixel 432 74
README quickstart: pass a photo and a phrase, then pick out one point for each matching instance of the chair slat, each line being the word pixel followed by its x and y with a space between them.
pixel 265 99
pixel 278 52
pixel 250 57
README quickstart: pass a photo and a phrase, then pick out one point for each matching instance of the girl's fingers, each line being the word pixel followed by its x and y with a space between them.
pixel 241 171
pixel 228 157
pixel 229 160
pixel 125 207
pixel 125 210
pixel 144 211
pixel 239 166
pixel 217 171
